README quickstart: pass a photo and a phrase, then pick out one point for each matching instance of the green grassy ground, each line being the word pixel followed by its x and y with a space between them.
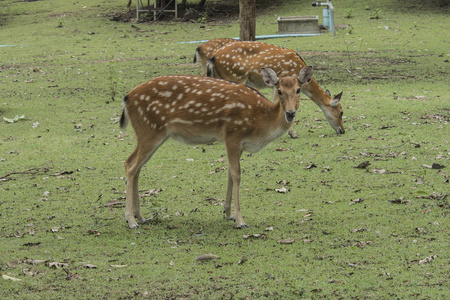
pixel 338 232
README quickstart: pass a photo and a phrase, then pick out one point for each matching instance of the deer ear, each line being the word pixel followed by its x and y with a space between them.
pixel 336 100
pixel 269 76
pixel 305 76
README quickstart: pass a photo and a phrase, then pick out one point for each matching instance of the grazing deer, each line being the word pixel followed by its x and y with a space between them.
pixel 200 110
pixel 241 62
pixel 206 51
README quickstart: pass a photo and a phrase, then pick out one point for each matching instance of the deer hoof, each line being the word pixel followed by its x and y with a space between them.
pixel 241 226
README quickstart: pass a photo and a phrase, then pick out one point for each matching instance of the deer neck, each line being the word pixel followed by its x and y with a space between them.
pixel 272 126
pixel 277 115
pixel 314 92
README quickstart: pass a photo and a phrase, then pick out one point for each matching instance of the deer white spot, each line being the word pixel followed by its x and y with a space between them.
pixel 156 112
pixel 140 111
pixel 163 83
pixel 180 96
pixel 166 94
pixel 142 97
pixel 172 109
pixel 174 87
pixel 163 118
pixel 178 120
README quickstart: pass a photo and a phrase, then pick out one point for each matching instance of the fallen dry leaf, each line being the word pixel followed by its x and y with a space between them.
pixel 35 261
pixel 6 277
pixel 151 192
pixel 89 266
pixel 114 203
pixel 311 166
pixel 427 259
pixel 27 272
pixel 206 257
pixel 56 265
pixel 286 241
pixel 243 260
pixel 356 201
pixel 434 166
pixel 94 232
pixel 256 235
pixel 363 165
pixel 283 190
pixel 360 229
pixel 400 201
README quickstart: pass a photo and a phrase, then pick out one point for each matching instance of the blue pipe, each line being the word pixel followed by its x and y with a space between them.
pixel 260 37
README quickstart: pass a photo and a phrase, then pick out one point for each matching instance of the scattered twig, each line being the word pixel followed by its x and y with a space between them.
pixel 29 171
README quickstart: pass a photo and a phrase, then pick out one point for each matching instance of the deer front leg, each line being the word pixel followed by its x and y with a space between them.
pixel 292 133
pixel 234 175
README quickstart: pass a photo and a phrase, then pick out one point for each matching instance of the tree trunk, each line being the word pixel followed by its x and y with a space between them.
pixel 247 19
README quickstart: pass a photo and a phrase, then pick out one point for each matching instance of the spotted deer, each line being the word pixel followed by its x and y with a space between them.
pixel 206 51
pixel 201 110
pixel 241 62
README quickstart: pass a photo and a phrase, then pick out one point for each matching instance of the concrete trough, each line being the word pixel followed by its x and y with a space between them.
pixel 305 24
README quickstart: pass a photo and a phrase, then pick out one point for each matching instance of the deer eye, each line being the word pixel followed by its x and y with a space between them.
pixel 342 113
pixel 298 91
pixel 280 93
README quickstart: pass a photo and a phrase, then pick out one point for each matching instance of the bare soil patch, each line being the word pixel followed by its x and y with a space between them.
pixel 213 12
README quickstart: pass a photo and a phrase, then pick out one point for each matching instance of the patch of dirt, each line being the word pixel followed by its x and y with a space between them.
pixel 221 12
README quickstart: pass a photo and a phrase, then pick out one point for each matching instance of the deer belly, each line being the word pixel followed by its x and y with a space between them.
pixel 194 139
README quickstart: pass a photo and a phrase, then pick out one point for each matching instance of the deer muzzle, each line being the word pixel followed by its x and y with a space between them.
pixel 290 115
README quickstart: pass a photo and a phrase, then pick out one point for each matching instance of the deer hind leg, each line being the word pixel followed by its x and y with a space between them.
pixel 234 180
pixel 133 165
pixel 227 206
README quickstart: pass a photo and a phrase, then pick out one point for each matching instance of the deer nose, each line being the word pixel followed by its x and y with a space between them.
pixel 340 130
pixel 290 115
